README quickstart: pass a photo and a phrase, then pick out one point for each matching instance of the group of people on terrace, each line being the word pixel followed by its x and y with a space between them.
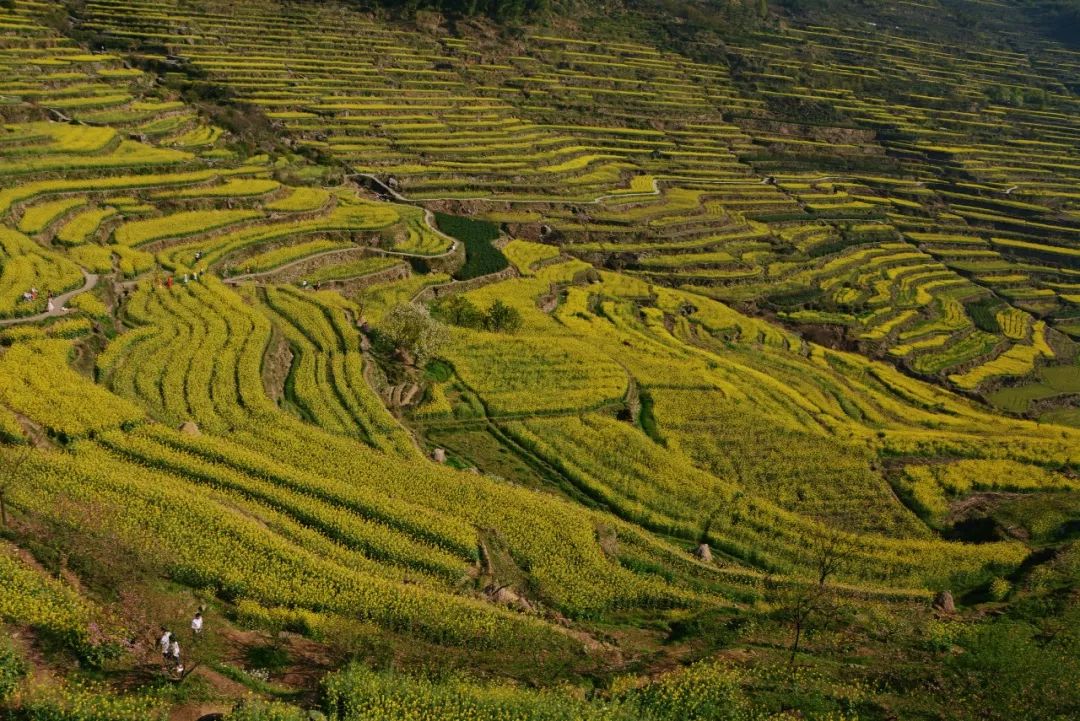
pixel 169 645
pixel 32 295
pixel 184 279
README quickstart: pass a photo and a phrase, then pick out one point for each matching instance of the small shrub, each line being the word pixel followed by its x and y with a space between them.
pixel 502 318
pixel 262 711
pixel 999 588
pixel 12 669
pixel 270 657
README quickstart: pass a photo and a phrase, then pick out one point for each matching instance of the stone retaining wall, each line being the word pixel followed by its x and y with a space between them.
pixel 351 285
pixel 296 272
pixel 435 292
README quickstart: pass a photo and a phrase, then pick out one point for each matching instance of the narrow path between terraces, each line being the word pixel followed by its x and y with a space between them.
pixel 595 201
pixel 429 220
pixel 59 308
pixel 233 280
pixel 485 420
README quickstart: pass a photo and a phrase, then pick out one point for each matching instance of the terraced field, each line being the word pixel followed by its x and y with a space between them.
pixel 693 175
pixel 777 345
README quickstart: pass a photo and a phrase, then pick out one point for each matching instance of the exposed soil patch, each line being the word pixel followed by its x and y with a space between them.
pixel 220 685
pixel 830 336
pixel 276 364
pixel 26 643
pixel 35 434
pixel 196 711
pixel 310 662
pixel 978 505
pixel 971 521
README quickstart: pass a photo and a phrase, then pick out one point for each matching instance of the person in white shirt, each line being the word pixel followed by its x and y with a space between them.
pixel 196 624
pixel 163 644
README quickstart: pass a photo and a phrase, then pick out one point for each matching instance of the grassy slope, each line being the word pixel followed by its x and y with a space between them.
pixel 91 515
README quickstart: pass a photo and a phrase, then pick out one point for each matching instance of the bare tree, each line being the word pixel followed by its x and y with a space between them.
pixel 829 553
pixel 804 604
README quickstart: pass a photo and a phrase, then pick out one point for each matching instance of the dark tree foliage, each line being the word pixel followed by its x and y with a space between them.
pixel 460 311
pixel 481 257
pixel 721 16
pixel 680 19
pixel 501 318
pixel 1060 18
pixel 806 110
pixel 504 10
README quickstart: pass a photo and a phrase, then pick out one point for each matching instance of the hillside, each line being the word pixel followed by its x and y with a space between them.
pixel 644 360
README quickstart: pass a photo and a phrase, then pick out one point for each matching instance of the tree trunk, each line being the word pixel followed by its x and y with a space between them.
pixel 3 508
pixel 795 645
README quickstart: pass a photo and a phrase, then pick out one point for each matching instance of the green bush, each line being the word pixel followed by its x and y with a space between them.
pixel 12 669
pixel 999 589
pixel 262 711
pixel 1012 670
pixel 703 692
pixel 501 318
pixel 460 311
pixel 76 703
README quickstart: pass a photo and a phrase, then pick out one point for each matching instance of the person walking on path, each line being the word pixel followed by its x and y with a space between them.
pixel 197 624
pixel 174 652
pixel 50 306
